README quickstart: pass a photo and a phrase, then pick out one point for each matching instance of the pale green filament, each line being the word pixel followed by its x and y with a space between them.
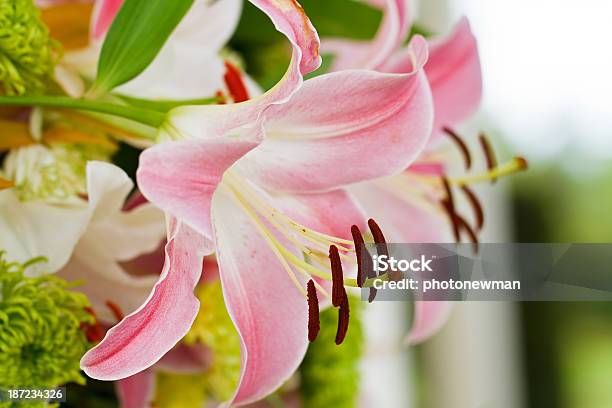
pixel 27 53
pixel 41 335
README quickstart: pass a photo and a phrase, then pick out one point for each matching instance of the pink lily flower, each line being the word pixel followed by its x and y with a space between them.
pixel 407 208
pixel 220 175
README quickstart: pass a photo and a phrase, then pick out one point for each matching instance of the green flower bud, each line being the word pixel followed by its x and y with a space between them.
pixel 330 373
pixel 41 335
pixel 27 53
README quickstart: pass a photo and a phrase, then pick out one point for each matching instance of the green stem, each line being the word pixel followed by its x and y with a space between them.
pixel 144 116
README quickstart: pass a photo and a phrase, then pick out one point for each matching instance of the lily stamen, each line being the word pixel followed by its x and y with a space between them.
pixel 489 154
pixel 115 309
pixel 314 324
pixel 343 320
pixel 513 166
pixel 235 83
pixel 338 290
pixel 476 206
pixel 462 146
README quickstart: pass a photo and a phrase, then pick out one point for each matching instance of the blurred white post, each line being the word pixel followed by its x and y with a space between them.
pixel 475 361
pixel 386 372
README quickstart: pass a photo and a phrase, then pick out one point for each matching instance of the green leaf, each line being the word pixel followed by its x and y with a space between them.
pixel 135 37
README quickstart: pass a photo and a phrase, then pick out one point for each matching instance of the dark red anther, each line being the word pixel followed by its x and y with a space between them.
pixel 489 154
pixel 235 84
pixel 364 262
pixel 471 233
pixel 314 324
pixel 476 206
pixel 338 289
pixel 379 238
pixel 452 218
pixel 115 309
pixel 449 205
pixel 343 320
pixel 462 146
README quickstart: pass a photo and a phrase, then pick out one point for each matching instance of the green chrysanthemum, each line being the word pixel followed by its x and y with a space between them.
pixel 214 329
pixel 330 373
pixel 27 53
pixel 41 336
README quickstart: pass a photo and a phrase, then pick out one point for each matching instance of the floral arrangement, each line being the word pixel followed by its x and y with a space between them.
pixel 177 220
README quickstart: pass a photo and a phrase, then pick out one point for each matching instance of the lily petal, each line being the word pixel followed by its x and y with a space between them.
pixel 429 317
pixel 144 336
pixel 343 128
pixel 181 177
pixel 185 359
pixel 30 229
pixel 372 54
pixel 333 212
pixel 267 309
pixel 120 236
pixel 218 120
pixel 454 74
pixel 403 221
pixel 104 13
pixel 136 391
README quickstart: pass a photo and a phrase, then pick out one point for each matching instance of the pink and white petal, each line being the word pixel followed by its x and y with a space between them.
pixel 332 213
pixel 405 222
pixel 185 359
pixel 402 215
pixel 144 336
pixel 104 13
pixel 136 391
pixel 218 120
pixel 180 177
pixel 344 127
pixel 454 74
pixel 269 312
pixel 429 317
pixel 372 54
pixel 290 19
